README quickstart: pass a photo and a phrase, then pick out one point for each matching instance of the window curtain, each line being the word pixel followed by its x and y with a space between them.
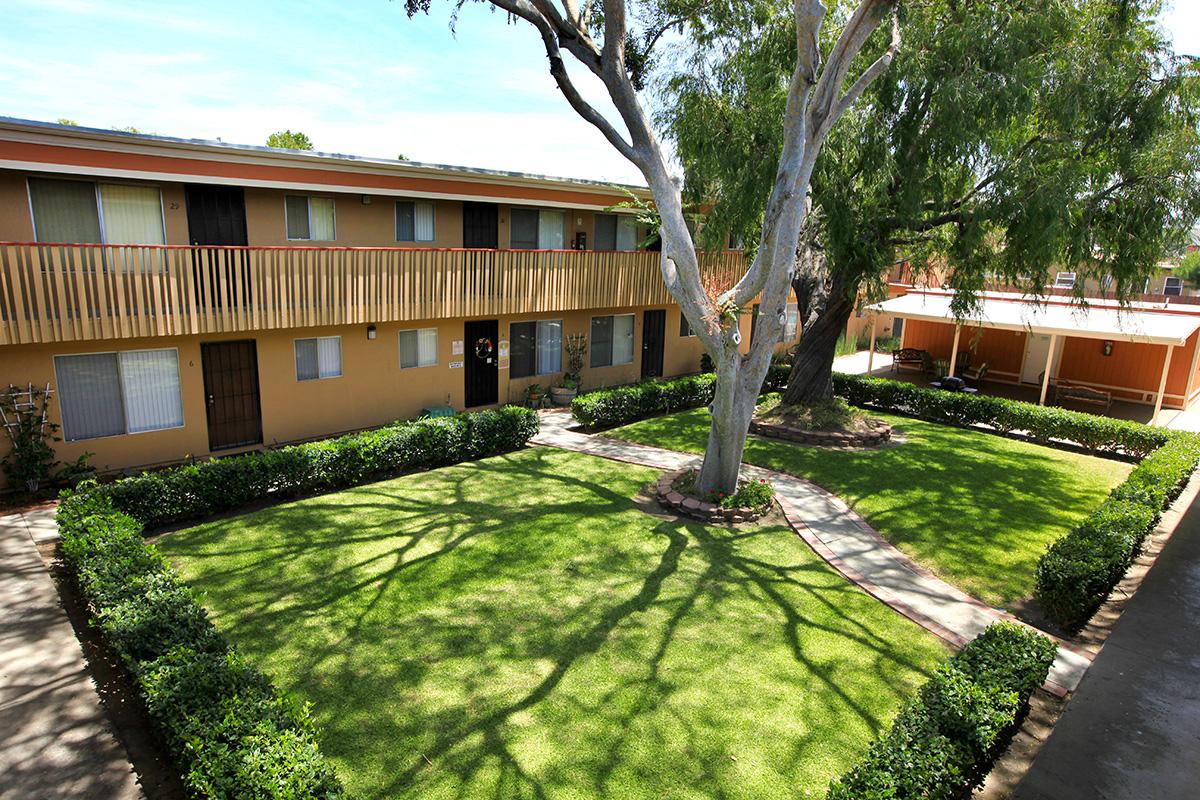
pixel 297 217
pixel 551 226
pixel 626 233
pixel 64 211
pixel 307 368
pixel 423 222
pixel 405 223
pixel 523 228
pixel 150 380
pixel 606 232
pixel 320 219
pixel 622 339
pixel 329 356
pixel 602 339
pixel 549 346
pixel 427 347
pixel 89 395
pixel 132 214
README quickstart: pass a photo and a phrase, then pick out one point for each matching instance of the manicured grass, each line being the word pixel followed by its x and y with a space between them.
pixel 517 627
pixel 977 509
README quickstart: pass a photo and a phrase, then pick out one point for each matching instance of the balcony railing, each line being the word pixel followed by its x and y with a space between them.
pixel 72 292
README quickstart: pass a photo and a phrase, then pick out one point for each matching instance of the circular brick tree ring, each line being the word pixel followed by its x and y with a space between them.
pixel 671 498
pixel 880 433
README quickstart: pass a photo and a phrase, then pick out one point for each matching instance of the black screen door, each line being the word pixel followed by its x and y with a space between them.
pixel 654 329
pixel 231 394
pixel 482 357
pixel 216 214
pixel 481 225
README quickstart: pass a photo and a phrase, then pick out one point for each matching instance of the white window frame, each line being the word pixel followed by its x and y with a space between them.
pixel 319 377
pixel 308 207
pixel 121 383
pixel 1178 287
pixel 1065 280
pixel 162 214
pixel 418 365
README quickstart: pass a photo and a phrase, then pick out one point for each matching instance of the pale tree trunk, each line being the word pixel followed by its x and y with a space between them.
pixel 817 97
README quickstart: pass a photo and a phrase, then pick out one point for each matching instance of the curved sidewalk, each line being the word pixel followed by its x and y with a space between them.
pixel 846 542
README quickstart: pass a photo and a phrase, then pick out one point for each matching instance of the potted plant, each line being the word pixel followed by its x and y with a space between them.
pixel 568 387
pixel 533 395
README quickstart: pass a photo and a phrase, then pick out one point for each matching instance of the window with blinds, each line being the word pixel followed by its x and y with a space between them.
pixel 310 218
pixel 534 229
pixel 612 340
pixel 414 221
pixel 318 358
pixel 108 394
pixel 535 348
pixel 616 232
pixel 131 214
pixel 418 348
pixel 85 212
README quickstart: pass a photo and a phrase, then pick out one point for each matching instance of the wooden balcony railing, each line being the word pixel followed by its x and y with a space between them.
pixel 73 292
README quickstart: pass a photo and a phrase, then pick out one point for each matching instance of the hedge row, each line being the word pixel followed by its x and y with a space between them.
pixel 230 732
pixel 197 490
pixel 1079 571
pixel 1042 423
pixel 607 408
pixel 943 741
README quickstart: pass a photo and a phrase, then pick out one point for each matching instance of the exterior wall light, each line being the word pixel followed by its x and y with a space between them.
pixel 370 331
pixel 1108 348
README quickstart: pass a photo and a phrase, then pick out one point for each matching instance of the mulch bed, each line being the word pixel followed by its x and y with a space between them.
pixel 878 432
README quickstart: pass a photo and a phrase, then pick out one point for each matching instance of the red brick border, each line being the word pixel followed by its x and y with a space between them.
pixel 670 498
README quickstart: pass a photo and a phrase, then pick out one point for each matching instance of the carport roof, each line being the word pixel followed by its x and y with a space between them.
pixel 1093 322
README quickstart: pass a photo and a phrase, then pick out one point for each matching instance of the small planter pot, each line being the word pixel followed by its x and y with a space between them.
pixel 535 400
pixel 562 396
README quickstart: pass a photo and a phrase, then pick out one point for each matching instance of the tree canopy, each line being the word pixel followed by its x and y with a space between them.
pixel 288 140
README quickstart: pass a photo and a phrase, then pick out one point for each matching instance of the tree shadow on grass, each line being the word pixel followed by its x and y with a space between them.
pixel 517 629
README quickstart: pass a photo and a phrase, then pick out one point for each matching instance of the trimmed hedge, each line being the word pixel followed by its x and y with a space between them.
pixel 607 408
pixel 231 733
pixel 198 490
pixel 943 741
pixel 1079 571
pixel 1042 423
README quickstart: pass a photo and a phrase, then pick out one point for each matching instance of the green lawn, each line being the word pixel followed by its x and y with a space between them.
pixel 975 508
pixel 518 628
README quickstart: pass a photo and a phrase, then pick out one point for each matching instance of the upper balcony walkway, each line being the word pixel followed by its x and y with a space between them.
pixel 81 292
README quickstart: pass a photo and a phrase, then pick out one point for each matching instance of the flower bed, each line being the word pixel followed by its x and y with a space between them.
pixel 752 500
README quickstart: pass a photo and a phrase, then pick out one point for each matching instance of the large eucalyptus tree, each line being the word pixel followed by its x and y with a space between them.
pixel 1006 141
pixel 615 41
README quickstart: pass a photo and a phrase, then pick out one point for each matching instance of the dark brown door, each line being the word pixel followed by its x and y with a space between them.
pixel 654 331
pixel 481 225
pixel 216 214
pixel 231 394
pixel 482 376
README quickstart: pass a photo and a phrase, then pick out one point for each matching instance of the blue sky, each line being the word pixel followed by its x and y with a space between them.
pixel 357 76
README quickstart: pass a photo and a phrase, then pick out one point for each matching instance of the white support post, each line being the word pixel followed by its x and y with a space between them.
pixel 1049 365
pixel 871 353
pixel 1162 385
pixel 954 349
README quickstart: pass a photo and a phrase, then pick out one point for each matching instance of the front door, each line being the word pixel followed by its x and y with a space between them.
pixel 482 357
pixel 216 215
pixel 1036 352
pixel 481 225
pixel 654 331
pixel 231 394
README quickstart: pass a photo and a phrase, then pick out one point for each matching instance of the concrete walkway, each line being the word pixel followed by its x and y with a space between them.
pixel 54 739
pixel 1132 731
pixel 845 541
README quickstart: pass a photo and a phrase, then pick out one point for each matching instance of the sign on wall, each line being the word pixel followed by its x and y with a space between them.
pixel 456 347
pixel 456 365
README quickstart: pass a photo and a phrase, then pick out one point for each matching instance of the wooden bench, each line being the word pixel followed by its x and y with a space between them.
pixel 911 357
pixel 1082 394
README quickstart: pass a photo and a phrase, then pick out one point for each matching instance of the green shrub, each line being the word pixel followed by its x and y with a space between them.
pixel 942 743
pixel 198 490
pixel 229 731
pixel 1078 572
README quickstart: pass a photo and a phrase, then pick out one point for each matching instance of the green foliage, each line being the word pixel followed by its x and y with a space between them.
pixel 1079 571
pixel 942 743
pixel 288 140
pixel 1041 423
pixel 1189 268
pixel 610 407
pixel 229 731
pixel 209 487
pixel 755 494
pixel 30 456
pixel 577 345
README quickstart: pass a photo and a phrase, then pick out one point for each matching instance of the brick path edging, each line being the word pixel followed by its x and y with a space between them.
pixel 670 497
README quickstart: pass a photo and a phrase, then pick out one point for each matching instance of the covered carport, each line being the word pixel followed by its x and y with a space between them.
pixel 1106 323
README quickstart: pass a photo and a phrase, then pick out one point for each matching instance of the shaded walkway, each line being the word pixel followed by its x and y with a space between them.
pixel 1132 730
pixel 54 739
pixel 845 541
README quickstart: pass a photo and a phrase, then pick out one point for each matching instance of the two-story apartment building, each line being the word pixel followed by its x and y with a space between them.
pixel 189 298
